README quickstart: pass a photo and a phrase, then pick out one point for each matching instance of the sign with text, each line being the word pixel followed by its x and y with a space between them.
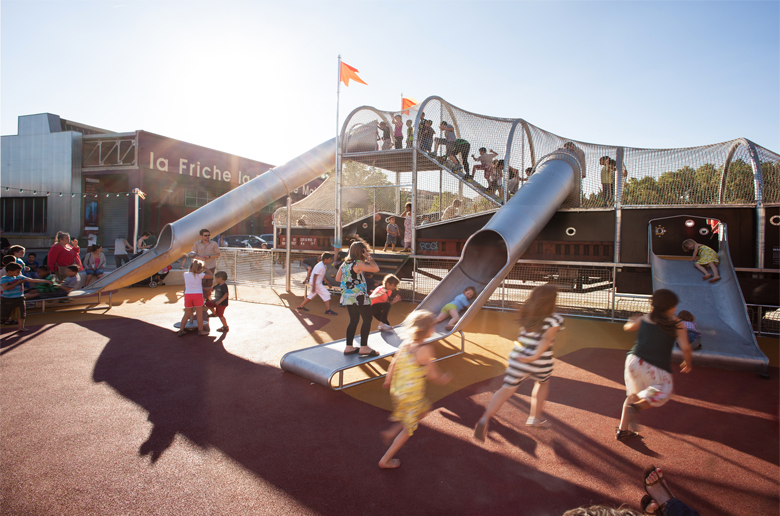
pixel 161 154
pixel 305 242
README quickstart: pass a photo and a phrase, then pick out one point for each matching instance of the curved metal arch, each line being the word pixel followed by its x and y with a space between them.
pixel 755 162
pixel 382 114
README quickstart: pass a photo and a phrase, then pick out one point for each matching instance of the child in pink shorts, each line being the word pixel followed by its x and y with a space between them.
pixel 193 295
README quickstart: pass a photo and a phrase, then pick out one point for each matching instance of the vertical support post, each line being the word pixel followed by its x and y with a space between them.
pixel 337 171
pixel 441 189
pixel 414 280
pixel 618 185
pixel 288 254
pixel 397 193
pixel 235 274
pixel 373 219
pixel 135 222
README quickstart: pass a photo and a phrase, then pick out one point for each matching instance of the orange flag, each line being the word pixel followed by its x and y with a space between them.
pixel 348 72
pixel 407 103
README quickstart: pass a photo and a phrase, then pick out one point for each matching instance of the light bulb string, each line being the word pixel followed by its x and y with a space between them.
pixel 47 193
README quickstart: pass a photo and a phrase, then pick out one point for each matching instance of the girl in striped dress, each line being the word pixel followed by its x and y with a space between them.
pixel 406 379
pixel 531 357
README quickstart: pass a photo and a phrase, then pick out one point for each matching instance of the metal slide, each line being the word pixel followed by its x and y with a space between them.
pixel 727 338
pixel 488 256
pixel 220 215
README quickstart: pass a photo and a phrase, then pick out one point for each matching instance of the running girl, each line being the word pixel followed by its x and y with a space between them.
pixel 406 380
pixel 531 357
pixel 648 371
pixel 706 256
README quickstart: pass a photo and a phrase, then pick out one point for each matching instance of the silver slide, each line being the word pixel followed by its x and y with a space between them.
pixel 220 215
pixel 727 338
pixel 488 256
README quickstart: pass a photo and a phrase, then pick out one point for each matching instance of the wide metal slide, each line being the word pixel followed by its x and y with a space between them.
pixel 219 215
pixel 728 341
pixel 488 257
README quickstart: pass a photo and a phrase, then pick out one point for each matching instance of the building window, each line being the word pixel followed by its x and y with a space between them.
pixel 197 198
pixel 24 214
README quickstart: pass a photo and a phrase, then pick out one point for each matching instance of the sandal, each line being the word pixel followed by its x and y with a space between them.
pixel 660 482
pixel 347 352
pixel 224 329
pixel 644 502
pixel 372 353
pixel 203 333
pixel 544 424
pixel 181 332
pixel 623 435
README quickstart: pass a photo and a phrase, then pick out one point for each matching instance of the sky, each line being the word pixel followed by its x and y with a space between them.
pixel 258 79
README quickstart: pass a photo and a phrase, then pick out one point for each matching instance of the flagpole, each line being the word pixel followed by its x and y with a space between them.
pixel 337 170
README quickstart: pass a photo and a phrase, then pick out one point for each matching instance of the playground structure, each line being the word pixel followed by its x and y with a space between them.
pixel 563 223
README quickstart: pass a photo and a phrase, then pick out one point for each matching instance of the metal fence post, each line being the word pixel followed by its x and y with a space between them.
pixel 287 259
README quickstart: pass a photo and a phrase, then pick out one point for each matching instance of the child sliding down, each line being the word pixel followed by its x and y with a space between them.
pixel 531 357
pixel 453 308
pixel 706 256
pixel 406 380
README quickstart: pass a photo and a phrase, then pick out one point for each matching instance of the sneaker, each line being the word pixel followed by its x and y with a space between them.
pixel 329 312
pixel 302 309
pixel 623 435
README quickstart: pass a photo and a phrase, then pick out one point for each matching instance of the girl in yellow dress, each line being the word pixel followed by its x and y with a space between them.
pixel 703 256
pixel 406 380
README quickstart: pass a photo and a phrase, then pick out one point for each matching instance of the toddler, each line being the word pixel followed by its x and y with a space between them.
pixel 706 256
pixel 317 286
pixel 409 134
pixel 531 357
pixel 453 308
pixel 694 336
pixel 406 380
pixel 382 298
pixel 220 301
pixel 392 234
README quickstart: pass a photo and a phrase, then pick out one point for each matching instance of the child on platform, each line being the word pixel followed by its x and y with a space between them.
pixel 485 160
pixel 532 356
pixel 648 369
pixel 706 256
pixel 220 301
pixel 317 287
pixel 382 298
pixel 453 308
pixel 392 234
pixel 409 134
pixel 193 295
pixel 398 132
pixel 406 380
pixel 688 320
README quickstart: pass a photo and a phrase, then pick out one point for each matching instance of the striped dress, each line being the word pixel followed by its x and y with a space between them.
pixel 526 346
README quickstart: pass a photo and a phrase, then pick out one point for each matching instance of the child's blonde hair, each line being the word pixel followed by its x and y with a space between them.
pixel 419 324
pixel 197 266
pixel 689 244
pixel 391 279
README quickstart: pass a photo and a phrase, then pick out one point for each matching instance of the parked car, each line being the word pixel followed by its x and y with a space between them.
pixel 247 241
pixel 268 238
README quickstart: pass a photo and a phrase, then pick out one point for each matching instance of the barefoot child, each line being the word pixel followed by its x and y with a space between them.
pixel 406 380
pixel 13 293
pixel 648 370
pixel 220 301
pixel 317 286
pixel 384 297
pixel 193 295
pixel 706 256
pixel 532 356
pixel 453 308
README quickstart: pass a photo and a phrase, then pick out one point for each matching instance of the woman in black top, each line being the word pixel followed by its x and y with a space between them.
pixel 648 371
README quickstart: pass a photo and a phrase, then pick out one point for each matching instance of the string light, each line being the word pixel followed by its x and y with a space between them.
pixel 72 195
pixel 60 194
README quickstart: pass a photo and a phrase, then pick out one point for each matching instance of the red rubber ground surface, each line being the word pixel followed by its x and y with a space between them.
pixel 119 416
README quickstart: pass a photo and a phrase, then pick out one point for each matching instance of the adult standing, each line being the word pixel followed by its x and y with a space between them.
pixel 141 245
pixel 407 214
pixel 355 296
pixel 208 251
pixel 121 246
pixel 63 253
pixel 94 263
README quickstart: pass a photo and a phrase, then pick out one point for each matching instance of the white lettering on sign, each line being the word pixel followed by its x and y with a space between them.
pixel 194 169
